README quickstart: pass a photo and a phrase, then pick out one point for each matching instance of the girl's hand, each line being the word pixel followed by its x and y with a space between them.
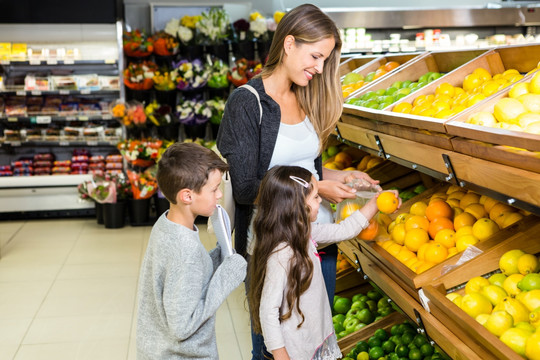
pixel 281 354
pixel 335 191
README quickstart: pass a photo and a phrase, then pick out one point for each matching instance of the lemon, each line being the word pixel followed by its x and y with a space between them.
pixel 464 241
pixel 464 230
pixel 398 233
pixel 531 299
pixel 516 339
pixel 532 347
pixel 476 284
pixel 418 208
pixel 482 118
pixel 455 298
pixel 534 318
pixel 534 85
pixel 515 308
pixel 483 228
pixel 511 284
pixel 508 262
pixel 507 110
pixel 531 102
pixel 525 325
pixel 518 90
pixel 497 279
pixel 498 322
pixel 494 293
pixel 475 304
pixel 482 318
pixel 527 263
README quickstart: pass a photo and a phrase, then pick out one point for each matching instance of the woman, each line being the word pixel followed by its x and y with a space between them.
pixel 301 100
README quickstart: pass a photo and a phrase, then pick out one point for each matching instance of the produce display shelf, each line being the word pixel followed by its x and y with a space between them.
pixel 58 92
pixel 67 143
pixel 473 333
pixel 47 118
pixel 467 170
pixel 355 62
pixel 38 62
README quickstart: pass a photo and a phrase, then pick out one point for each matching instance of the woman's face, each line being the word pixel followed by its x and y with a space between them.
pixel 303 61
pixel 313 200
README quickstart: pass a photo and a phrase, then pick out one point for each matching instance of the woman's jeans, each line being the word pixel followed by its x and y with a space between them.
pixel 328 265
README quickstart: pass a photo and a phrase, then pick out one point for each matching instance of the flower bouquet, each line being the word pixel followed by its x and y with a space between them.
pixel 190 38
pixel 244 71
pixel 161 116
pixel 105 188
pixel 143 185
pixel 244 47
pixel 164 81
pixel 194 114
pixel 214 25
pixel 139 76
pixel 137 44
pixel 190 75
pixel 217 107
pixel 218 75
pixel 142 153
pixel 165 44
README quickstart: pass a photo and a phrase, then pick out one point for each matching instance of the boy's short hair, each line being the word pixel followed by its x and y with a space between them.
pixel 186 166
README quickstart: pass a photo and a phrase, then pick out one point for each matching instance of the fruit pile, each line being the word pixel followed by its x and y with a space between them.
pixel 337 158
pixel 342 263
pixel 354 81
pixel 519 111
pixel 351 315
pixel 402 343
pixel 507 304
pixel 451 221
pixel 383 98
pixel 449 100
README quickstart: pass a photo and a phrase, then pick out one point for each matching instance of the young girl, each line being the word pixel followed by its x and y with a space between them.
pixel 287 295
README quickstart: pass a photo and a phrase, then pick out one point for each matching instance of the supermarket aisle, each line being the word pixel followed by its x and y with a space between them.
pixel 68 287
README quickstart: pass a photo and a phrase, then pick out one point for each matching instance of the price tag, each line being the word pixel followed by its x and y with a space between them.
pixel 110 61
pixel 12 119
pixel 34 62
pixel 15 143
pixel 64 92
pixel 63 143
pixel 36 92
pixel 69 62
pixel 85 91
pixel 91 143
pixel 52 62
pixel 43 119
pixel 107 117
pixel 71 118
pixel 21 93
pixel 83 118
pixel 4 62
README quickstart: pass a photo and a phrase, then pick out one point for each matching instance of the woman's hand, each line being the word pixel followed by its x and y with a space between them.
pixel 335 191
pixel 347 176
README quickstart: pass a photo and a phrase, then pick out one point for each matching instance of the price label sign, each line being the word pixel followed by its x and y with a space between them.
pixel 91 143
pixel 110 61
pixel 52 62
pixel 107 117
pixel 43 119
pixel 36 92
pixel 83 118
pixel 85 91
pixel 21 93
pixel 64 92
pixel 34 62
pixel 63 143
pixel 71 118
pixel 15 143
pixel 69 62
pixel 12 119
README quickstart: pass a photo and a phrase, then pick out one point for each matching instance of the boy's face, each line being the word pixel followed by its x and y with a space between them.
pixel 204 202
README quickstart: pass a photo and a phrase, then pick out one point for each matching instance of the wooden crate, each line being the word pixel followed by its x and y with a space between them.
pixel 523 57
pixel 348 280
pixel 354 62
pixel 522 159
pixel 489 60
pixel 473 334
pixel 459 127
pixel 412 281
pixel 432 138
pixel 447 341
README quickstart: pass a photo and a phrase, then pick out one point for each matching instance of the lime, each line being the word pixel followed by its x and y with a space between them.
pixel 376 352
pixel 396 339
pixel 388 346
pixel 415 354
pixel 402 350
pixel 381 334
pixel 362 356
pixel 407 337
pixel 395 330
pixel 362 346
pixel 393 356
pixel 406 327
pixel 426 349
pixel 419 340
pixel 374 342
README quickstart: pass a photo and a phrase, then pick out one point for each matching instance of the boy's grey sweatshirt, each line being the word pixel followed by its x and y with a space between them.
pixel 181 286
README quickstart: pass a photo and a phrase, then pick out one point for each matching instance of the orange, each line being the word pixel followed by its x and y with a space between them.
pixel 428 112
pixel 463 219
pixel 498 209
pixel 391 65
pixel 477 210
pixel 391 227
pixel 438 208
pixel 386 244
pixel 402 218
pixel 439 105
pixel 489 203
pixel 465 241
pixel 444 114
pixel 438 224
pixel 452 251
pixel 445 89
pixel 454 203
pixel 404 108
pixel 511 218
pixel 411 262
pixel 469 198
pixel 464 230
pixel 418 208
pixel 417 222
pixel 438 195
pixel 394 249
pixel 425 266
pixel 446 237
pixel 344 158
pixel 387 202
pixel 421 253
pixel 344 264
pixel 436 253
pixel 379 73
pixel 348 209
pixel 456 195
pixel 398 233
pixel 484 228
pixel 405 254
pixel 371 232
pixel 415 238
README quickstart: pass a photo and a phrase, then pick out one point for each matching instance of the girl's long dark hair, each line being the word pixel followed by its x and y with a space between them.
pixel 283 218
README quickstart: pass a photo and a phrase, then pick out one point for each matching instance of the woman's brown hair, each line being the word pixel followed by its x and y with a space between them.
pixel 283 218
pixel 321 99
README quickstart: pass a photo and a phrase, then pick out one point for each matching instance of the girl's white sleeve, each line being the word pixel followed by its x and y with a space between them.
pixel 345 230
pixel 272 298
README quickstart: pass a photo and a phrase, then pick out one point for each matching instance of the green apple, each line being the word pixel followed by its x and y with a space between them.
pixel 413 84
pixel 406 84
pixel 421 84
pixel 352 78
pixel 356 297
pixel 400 96
pixel 369 95
pixel 425 77
pixel 397 84
pixel 372 104
pixel 434 76
pixel 391 90
pixel 380 92
pixel 358 304
pixel 387 99
pixel 369 77
pixel 350 324
pixel 405 91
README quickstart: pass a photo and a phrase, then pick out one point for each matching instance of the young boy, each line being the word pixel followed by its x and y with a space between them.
pixel 181 286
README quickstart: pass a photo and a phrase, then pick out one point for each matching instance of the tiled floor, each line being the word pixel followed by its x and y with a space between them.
pixel 68 288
